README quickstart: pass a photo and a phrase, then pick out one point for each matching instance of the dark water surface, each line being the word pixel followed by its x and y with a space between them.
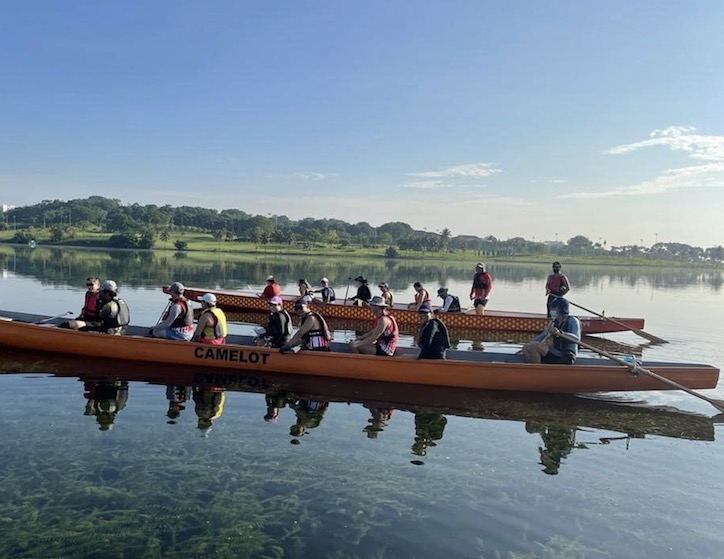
pixel 97 468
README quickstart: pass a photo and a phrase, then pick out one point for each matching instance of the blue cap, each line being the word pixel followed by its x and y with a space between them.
pixel 424 308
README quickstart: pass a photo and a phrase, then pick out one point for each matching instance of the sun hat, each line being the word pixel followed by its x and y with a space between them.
pixel 177 287
pixel 360 279
pixel 378 301
pixel 442 290
pixel 424 308
pixel 276 300
pixel 208 298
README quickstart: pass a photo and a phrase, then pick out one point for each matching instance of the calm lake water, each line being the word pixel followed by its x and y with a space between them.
pixel 92 468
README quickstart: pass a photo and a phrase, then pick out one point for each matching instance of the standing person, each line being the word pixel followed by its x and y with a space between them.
pixel 177 322
pixel 387 294
pixel 482 284
pixel 557 285
pixel 272 289
pixel 546 347
pixel 422 297
pixel 433 338
pixel 313 333
pixel 211 327
pixel 450 303
pixel 383 337
pixel 326 292
pixel 363 294
pixel 114 315
pixel 279 326
pixel 91 308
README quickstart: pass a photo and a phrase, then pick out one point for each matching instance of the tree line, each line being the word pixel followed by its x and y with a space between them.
pixel 140 226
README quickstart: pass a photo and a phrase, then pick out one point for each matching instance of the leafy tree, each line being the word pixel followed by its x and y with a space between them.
pixel 180 244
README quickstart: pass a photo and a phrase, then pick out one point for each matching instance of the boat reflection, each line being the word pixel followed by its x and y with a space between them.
pixel 557 419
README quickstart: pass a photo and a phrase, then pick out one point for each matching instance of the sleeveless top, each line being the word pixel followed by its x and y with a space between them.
pixel 387 341
pixel 317 338
pixel 219 329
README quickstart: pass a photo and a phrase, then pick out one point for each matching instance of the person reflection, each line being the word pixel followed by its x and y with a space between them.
pixel 429 427
pixel 377 423
pixel 209 405
pixel 558 442
pixel 177 397
pixel 105 400
pixel 309 415
pixel 275 401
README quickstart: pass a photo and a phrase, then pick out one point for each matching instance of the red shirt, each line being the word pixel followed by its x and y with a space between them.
pixel 271 290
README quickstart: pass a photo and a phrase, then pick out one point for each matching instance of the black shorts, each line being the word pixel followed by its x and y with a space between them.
pixel 553 359
pixel 380 351
pixel 482 302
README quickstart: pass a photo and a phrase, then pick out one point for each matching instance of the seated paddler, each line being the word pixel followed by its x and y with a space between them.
pixel 211 327
pixel 114 315
pixel 313 333
pixel 547 347
pixel 177 321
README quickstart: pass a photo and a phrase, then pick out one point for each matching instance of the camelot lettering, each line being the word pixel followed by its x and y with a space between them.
pixel 234 355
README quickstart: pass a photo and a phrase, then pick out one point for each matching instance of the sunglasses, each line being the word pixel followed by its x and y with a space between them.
pixel 90 284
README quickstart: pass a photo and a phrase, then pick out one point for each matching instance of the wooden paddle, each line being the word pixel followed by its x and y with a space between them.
pixel 53 317
pixel 634 368
pixel 636 331
pixel 346 293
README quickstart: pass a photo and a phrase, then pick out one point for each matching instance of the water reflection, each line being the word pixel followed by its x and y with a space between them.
pixel 482 468
pixel 104 400
pixel 378 420
pixel 208 405
pixel 177 397
pixel 556 419
pixel 66 266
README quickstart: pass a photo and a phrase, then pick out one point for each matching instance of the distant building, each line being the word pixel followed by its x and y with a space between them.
pixel 7 208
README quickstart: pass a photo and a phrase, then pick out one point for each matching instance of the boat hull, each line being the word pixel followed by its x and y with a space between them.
pixel 463 369
pixel 493 320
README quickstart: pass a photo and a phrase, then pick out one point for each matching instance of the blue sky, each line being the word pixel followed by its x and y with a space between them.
pixel 536 119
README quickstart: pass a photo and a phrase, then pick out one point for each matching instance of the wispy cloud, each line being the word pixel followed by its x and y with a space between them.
pixel 468 170
pixel 708 149
pixel 548 181
pixel 315 176
pixel 425 185
pixel 679 138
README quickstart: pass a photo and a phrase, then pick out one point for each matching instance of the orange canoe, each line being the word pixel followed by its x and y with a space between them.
pixel 462 369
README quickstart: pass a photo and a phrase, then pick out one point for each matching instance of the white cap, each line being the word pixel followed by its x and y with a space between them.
pixel 208 298
pixel 270 278
pixel 324 280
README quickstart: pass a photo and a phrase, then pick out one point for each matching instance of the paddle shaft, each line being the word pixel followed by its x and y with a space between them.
pixel 346 293
pixel 637 331
pixel 165 310
pixel 53 317
pixel 634 368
